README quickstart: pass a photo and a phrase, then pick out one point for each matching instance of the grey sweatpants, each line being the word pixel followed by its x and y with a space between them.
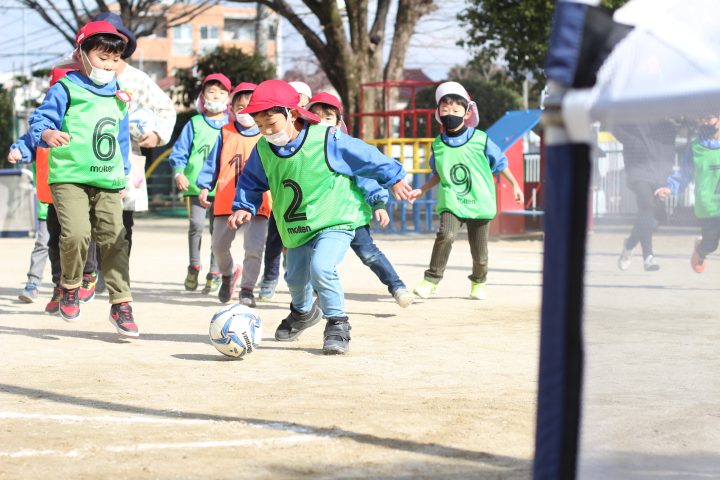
pixel 198 214
pixel 39 255
pixel 478 238
pixel 254 233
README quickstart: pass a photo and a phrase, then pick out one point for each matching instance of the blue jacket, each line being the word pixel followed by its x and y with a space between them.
pixel 686 173
pixel 497 159
pixel 50 113
pixel 345 155
pixel 207 178
pixel 183 145
pixel 24 144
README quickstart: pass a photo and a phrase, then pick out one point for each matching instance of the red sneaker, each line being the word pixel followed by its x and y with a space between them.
pixel 121 317
pixel 87 289
pixel 53 305
pixel 696 261
pixel 70 304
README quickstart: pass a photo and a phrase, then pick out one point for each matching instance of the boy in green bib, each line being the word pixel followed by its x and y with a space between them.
pixel 191 150
pixel 83 120
pixel 316 203
pixel 701 163
pixel 464 163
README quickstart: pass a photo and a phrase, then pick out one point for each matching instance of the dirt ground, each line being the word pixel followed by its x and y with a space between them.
pixel 443 389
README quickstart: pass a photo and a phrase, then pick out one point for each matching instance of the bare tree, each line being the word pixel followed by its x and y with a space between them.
pixel 142 17
pixel 347 45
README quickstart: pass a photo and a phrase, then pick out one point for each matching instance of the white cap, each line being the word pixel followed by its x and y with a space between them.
pixel 454 88
pixel 302 88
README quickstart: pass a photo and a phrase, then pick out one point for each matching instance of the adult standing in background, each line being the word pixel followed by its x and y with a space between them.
pixel 649 157
pixel 146 94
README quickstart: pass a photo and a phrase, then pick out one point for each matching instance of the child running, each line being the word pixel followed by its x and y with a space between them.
pixel 701 163
pixel 329 109
pixel 274 250
pixel 222 169
pixel 464 161
pixel 83 120
pixel 308 169
pixel 189 153
pixel 21 152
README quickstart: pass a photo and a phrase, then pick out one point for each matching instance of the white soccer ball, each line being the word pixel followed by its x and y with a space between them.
pixel 236 330
pixel 141 121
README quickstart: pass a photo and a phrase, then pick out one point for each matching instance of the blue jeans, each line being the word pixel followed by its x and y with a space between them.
pixel 314 266
pixel 371 256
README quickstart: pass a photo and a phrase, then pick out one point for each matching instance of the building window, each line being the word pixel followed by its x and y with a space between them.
pixel 155 69
pixel 209 38
pixel 239 29
pixel 182 41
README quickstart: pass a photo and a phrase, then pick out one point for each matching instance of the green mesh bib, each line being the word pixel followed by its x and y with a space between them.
pixel 707 180
pixel 307 196
pixel 204 138
pixel 467 185
pixel 42 207
pixel 93 155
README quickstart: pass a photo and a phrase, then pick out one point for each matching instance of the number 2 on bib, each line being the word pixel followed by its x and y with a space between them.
pixel 292 214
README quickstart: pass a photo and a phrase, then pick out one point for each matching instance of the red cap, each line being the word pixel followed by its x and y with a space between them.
pixel 276 93
pixel 96 28
pixel 219 77
pixel 327 99
pixel 243 87
pixel 58 73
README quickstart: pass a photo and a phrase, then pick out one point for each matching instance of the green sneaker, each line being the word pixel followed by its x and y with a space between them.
pixel 425 289
pixel 477 291
pixel 212 283
pixel 191 280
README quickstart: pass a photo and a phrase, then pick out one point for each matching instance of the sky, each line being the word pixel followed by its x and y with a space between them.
pixel 433 46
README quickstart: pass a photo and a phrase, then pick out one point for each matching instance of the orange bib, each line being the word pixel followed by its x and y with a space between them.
pixel 236 149
pixel 41 175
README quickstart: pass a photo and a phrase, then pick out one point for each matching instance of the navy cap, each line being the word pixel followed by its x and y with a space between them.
pixel 116 21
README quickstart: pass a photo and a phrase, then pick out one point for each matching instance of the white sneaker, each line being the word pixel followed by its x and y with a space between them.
pixel 403 297
pixel 477 291
pixel 650 264
pixel 425 289
pixel 625 258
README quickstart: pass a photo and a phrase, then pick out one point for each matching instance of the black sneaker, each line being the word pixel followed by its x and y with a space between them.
pixel 291 328
pixel 337 336
pixel 121 317
pixel 247 298
pixel 227 286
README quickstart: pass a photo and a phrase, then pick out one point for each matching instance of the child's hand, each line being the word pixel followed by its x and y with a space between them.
pixel 122 193
pixel 149 140
pixel 14 155
pixel 414 195
pixel 202 198
pixel 382 217
pixel 55 138
pixel 663 192
pixel 237 218
pixel 401 190
pixel 182 182
pixel 518 194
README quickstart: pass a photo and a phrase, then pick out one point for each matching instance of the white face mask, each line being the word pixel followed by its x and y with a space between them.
pixel 281 138
pixel 327 123
pixel 215 107
pixel 245 119
pixel 98 76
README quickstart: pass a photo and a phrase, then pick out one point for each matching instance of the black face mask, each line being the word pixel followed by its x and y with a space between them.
pixel 451 122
